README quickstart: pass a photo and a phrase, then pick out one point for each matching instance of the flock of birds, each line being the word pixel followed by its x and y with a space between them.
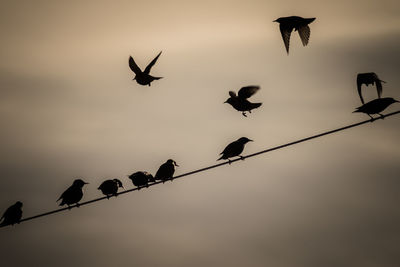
pixel 238 101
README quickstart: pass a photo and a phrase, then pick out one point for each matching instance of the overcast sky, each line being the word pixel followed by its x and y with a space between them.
pixel 69 109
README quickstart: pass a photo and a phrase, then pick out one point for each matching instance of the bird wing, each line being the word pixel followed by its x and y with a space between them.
pixel 151 64
pixel 359 83
pixel 248 91
pixel 232 94
pixel 285 32
pixel 134 67
pixel 304 33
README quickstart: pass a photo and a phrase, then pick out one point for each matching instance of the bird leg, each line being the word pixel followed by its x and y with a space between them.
pixel 229 161
pixel 382 116
pixel 78 205
pixel 69 207
pixel 242 158
pixel 372 118
pixel 244 113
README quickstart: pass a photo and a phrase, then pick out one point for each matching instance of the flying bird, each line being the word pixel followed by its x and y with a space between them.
pixel 166 171
pixel 287 24
pixel 240 102
pixel 110 187
pixel 12 215
pixel 234 149
pixel 367 79
pixel 376 106
pixel 73 194
pixel 141 178
pixel 143 77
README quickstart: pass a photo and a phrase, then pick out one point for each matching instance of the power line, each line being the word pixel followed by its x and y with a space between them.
pixel 216 165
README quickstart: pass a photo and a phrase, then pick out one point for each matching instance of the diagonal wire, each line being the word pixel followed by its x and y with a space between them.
pixel 215 165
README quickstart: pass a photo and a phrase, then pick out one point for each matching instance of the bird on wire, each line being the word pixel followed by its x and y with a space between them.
pixel 287 24
pixel 141 179
pixel 240 102
pixel 110 187
pixel 376 106
pixel 367 79
pixel 143 77
pixel 12 215
pixel 73 194
pixel 234 149
pixel 166 171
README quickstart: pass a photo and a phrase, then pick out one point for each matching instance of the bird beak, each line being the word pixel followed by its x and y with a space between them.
pixel 176 164
pixel 251 140
pixel 226 101
pixel 274 21
pixel 85 183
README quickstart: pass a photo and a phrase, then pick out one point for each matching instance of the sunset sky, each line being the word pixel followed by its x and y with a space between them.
pixel 70 109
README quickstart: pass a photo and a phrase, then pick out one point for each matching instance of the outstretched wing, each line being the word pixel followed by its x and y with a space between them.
pixel 151 64
pixel 248 91
pixel 134 67
pixel 359 83
pixel 304 33
pixel 285 32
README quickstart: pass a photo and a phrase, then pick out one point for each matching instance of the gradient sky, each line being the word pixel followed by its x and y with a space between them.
pixel 69 109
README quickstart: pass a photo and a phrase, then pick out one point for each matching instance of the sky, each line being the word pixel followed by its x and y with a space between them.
pixel 70 109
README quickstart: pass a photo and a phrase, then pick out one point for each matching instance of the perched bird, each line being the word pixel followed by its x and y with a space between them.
pixel 367 79
pixel 240 102
pixel 166 171
pixel 234 149
pixel 110 187
pixel 143 77
pixel 287 24
pixel 376 106
pixel 141 178
pixel 73 194
pixel 12 215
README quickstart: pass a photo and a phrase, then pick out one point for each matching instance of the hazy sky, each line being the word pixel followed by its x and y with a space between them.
pixel 69 109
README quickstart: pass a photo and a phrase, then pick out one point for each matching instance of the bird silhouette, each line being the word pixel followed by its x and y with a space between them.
pixel 73 194
pixel 166 171
pixel 110 187
pixel 12 215
pixel 287 24
pixel 376 106
pixel 240 102
pixel 367 79
pixel 234 149
pixel 141 179
pixel 143 77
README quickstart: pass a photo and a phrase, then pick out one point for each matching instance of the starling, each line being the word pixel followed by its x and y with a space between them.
pixel 240 102
pixel 166 171
pixel 73 194
pixel 234 149
pixel 143 77
pixel 110 187
pixel 12 215
pixel 367 79
pixel 287 24
pixel 141 178
pixel 376 106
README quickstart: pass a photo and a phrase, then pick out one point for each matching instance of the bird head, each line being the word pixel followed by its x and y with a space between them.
pixel 392 100
pixel 173 162
pixel 79 183
pixel 244 140
pixel 278 20
pixel 18 204
pixel 229 101
pixel 118 182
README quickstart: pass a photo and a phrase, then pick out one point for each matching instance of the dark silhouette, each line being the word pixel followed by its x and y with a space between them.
pixel 73 194
pixel 376 106
pixel 234 149
pixel 141 179
pixel 166 171
pixel 110 187
pixel 367 79
pixel 12 215
pixel 287 24
pixel 240 102
pixel 143 77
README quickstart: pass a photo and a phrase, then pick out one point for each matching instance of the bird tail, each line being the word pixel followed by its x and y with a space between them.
pixel 357 110
pixel 157 78
pixel 310 20
pixel 256 105
pixel 222 157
